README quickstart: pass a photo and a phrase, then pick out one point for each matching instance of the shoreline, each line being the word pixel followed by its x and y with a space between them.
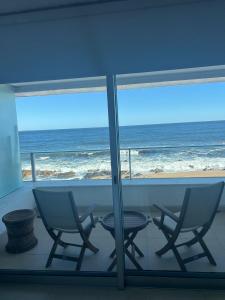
pixel 98 175
pixel 197 174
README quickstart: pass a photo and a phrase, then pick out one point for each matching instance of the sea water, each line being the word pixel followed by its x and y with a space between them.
pixel 84 153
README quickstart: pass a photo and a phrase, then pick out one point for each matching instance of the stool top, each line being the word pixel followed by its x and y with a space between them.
pixel 17 216
pixel 132 221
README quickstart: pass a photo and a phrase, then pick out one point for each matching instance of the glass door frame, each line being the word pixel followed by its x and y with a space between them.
pixel 116 176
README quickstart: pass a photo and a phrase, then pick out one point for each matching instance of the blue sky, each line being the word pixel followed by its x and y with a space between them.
pixel 184 103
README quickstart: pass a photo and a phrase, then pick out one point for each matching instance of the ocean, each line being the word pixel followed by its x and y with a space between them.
pixel 161 148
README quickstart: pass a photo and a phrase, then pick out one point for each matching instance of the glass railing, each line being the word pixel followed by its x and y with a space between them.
pixel 145 162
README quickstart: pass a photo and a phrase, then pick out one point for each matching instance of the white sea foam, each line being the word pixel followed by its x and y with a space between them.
pixel 182 161
pixel 134 152
pixel 43 158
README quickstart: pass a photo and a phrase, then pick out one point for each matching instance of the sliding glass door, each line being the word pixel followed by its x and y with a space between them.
pixel 171 138
pixel 65 143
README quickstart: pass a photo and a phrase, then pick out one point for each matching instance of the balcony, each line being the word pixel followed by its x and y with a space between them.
pixel 149 240
pixel 142 187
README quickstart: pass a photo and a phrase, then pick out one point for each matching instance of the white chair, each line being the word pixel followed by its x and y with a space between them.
pixel 197 214
pixel 60 215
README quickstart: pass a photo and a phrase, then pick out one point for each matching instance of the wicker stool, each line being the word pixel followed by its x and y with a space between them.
pixel 19 225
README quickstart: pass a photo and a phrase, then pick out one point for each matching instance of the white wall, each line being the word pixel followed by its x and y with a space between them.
pixel 11 196
pixel 10 170
pixel 93 41
pixel 137 194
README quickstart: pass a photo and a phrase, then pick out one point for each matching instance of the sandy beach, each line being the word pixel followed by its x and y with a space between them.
pixel 45 174
pixel 194 174
pixel 186 174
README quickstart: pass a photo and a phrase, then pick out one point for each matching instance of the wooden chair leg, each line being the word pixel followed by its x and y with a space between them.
pixel 205 249
pixel 171 246
pixel 54 237
pixel 166 248
pixel 57 241
pixel 91 247
pixel 113 253
pixel 52 252
pixel 80 259
pixel 88 244
pixel 196 237
pixel 179 259
pixel 191 242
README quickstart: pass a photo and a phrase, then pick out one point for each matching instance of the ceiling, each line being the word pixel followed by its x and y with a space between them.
pixel 14 7
pixel 125 81
pixel 11 7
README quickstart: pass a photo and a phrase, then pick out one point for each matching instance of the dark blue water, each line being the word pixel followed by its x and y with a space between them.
pixel 182 147
pixel 180 134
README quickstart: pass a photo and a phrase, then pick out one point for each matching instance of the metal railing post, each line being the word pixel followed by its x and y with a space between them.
pixel 129 158
pixel 33 169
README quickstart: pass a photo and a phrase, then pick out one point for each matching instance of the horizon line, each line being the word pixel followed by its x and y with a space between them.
pixel 98 127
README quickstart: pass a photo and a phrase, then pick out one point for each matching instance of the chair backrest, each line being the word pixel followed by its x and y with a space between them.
pixel 200 205
pixel 57 209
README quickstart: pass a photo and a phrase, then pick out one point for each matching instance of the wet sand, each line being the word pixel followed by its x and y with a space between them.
pixel 195 174
pixel 125 174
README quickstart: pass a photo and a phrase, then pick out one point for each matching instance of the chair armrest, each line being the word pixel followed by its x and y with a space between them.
pixel 166 212
pixel 87 213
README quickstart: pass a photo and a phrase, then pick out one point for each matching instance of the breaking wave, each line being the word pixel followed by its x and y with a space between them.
pixel 96 164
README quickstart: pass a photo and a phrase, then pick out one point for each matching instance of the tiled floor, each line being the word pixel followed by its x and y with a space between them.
pixel 149 240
